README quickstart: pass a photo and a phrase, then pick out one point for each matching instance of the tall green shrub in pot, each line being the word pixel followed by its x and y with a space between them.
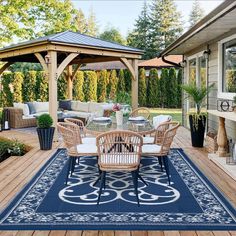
pixel 197 119
pixel 45 131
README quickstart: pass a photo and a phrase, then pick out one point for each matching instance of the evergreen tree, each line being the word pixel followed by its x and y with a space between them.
pixel 62 87
pixel 179 88
pixel 152 88
pixel 42 86
pixel 113 85
pixel 102 86
pixel 17 81
pixel 81 22
pixel 121 81
pixel 108 83
pixel 165 26
pixel 128 80
pixel 92 27
pixel 90 86
pixel 162 88
pixel 29 86
pixel 139 37
pixel 113 35
pixel 78 83
pixel 196 14
pixel 7 95
pixel 171 89
pixel 142 88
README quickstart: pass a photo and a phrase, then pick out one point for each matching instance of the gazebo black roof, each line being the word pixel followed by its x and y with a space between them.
pixel 75 38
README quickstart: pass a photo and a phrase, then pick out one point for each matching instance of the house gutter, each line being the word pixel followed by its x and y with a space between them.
pixel 170 62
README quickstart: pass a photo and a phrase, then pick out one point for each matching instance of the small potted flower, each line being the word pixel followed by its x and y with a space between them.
pixel 119 114
pixel 45 131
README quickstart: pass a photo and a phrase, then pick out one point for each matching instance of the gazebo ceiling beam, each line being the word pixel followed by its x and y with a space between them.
pixel 5 66
pixel 42 61
pixel 94 60
pixel 66 62
pixel 129 66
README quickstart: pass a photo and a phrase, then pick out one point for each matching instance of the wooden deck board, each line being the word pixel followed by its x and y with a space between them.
pixel 16 172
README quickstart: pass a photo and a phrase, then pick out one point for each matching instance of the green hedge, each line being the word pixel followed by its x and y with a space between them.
pixel 154 90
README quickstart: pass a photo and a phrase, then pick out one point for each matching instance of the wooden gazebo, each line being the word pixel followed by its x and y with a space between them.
pixel 59 52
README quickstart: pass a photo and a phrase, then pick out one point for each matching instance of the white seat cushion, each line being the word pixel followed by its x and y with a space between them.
pixel 89 140
pixel 151 148
pixel 157 120
pixel 41 106
pixel 86 148
pixel 148 139
pixel 80 114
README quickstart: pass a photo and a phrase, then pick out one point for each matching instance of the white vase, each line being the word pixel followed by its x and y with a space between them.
pixel 119 118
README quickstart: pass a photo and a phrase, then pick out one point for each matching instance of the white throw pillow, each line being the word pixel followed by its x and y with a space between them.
pixel 80 106
pixel 22 106
pixel 96 108
pixel 41 107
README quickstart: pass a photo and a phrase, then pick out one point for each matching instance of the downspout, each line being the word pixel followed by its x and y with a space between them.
pixel 170 62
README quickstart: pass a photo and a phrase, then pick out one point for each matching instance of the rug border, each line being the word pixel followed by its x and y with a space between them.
pixel 117 226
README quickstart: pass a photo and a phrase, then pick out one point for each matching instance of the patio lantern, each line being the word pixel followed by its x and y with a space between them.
pixel 5 119
pixel 206 54
pixel 47 59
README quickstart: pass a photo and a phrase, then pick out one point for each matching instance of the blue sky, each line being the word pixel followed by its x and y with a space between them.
pixel 122 13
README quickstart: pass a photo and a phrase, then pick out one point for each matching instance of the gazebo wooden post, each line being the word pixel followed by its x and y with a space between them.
pixel 52 79
pixel 69 82
pixel 134 93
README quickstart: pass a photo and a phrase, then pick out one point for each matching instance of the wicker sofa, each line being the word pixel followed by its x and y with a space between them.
pixel 21 115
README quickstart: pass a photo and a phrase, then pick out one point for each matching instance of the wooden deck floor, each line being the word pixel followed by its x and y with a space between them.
pixel 15 172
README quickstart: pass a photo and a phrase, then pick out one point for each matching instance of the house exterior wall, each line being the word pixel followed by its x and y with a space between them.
pixel 213 73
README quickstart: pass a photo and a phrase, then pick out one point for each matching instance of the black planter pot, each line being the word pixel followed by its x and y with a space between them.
pixel 45 137
pixel 197 132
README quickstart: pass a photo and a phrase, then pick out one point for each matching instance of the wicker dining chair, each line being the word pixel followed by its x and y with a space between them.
pixel 82 133
pixel 141 111
pixel 157 135
pixel 75 149
pixel 161 147
pixel 119 151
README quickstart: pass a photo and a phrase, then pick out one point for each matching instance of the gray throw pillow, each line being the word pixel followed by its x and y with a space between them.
pixel 65 105
pixel 31 107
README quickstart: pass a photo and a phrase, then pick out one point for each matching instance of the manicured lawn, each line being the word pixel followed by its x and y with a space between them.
pixel 175 113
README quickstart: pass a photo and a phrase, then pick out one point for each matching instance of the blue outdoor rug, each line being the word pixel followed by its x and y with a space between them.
pixel 191 202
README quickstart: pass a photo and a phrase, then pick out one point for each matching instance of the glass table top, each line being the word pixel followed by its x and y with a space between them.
pixel 141 127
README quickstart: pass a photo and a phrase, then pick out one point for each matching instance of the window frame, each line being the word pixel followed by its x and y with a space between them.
pixel 221 94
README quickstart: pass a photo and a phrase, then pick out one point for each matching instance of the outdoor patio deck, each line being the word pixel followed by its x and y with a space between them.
pixel 15 172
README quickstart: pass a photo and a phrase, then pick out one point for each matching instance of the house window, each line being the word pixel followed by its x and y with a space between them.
pixel 229 67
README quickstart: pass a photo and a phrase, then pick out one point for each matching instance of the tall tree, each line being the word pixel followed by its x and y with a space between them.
pixel 196 14
pixel 113 85
pixel 23 19
pixel 112 34
pixel 121 81
pixel 179 88
pixel 142 88
pixel 90 86
pixel 92 27
pixel 78 83
pixel 102 86
pixel 165 26
pixel 29 86
pixel 152 88
pixel 81 22
pixel 139 37
pixel 17 81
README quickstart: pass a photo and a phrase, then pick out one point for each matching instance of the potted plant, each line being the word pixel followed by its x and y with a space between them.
pixel 197 119
pixel 45 131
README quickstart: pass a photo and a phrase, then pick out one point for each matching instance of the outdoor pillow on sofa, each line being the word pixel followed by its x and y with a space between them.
pixel 22 106
pixel 65 105
pixel 31 107
pixel 41 107
pixel 80 106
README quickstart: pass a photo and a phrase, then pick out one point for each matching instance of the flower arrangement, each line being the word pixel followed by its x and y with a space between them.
pixel 116 107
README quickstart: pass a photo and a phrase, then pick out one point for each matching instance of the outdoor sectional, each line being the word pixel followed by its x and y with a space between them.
pixel 24 115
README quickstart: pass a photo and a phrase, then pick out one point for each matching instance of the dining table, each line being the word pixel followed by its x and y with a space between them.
pixel 97 126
